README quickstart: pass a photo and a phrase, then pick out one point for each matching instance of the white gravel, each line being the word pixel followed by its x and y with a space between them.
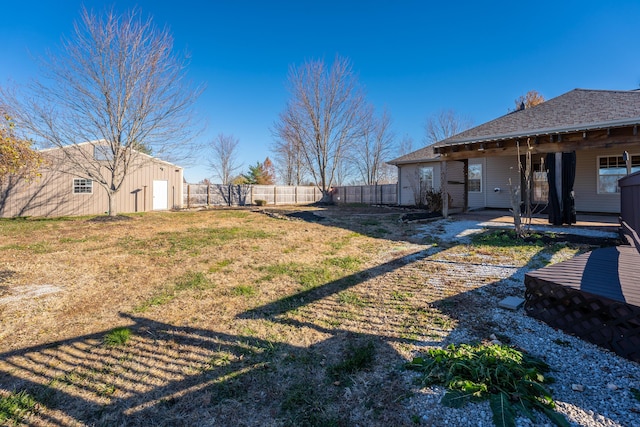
pixel 451 230
pixel 607 379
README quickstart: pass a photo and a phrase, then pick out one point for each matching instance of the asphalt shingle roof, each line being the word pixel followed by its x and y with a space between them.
pixel 423 154
pixel 577 110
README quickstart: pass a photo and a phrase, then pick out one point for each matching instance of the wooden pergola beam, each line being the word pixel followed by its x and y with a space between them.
pixel 550 143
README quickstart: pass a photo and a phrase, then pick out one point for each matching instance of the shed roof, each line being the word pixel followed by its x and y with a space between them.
pixel 577 110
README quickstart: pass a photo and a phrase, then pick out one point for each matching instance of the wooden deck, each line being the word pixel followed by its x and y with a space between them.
pixel 595 296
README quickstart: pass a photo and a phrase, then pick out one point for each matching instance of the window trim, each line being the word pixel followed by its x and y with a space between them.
pixel 88 183
pixel 423 180
pixel 606 193
pixel 534 181
pixel 479 179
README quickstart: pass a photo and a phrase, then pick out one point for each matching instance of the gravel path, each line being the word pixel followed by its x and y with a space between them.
pixel 606 378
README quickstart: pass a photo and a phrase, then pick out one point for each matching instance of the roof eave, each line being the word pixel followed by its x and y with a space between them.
pixel 540 132
pixel 419 160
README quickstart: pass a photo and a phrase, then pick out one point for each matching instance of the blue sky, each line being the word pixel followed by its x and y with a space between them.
pixel 414 58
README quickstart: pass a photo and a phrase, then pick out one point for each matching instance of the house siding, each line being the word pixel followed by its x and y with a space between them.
pixel 501 170
pixel 51 195
pixel 407 178
pixel 586 184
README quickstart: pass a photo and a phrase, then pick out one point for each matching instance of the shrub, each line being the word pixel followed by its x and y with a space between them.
pixel 260 202
pixel 433 200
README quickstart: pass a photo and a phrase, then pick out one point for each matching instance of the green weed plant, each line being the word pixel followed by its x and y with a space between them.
pixel 511 380
pixel 117 337
pixel 14 407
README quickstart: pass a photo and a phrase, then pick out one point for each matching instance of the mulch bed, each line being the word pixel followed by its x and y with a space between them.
pixel 417 216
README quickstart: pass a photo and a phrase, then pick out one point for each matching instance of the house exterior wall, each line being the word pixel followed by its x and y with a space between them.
pixel 52 194
pixel 586 184
pixel 498 172
pixel 408 178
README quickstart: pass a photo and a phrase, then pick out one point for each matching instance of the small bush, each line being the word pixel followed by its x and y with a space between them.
pixel 260 202
pixel 117 337
pixel 433 200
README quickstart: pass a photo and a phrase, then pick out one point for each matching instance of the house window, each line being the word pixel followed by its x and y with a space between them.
pixel 426 177
pixel 82 186
pixel 540 187
pixel 475 178
pixel 611 169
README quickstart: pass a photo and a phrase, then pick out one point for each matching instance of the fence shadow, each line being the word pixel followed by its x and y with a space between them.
pixel 181 375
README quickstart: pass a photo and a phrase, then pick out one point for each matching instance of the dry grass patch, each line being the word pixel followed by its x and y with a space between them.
pixel 227 317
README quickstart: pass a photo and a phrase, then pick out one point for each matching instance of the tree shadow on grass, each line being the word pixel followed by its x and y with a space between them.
pixel 179 375
pixel 348 372
pixel 170 375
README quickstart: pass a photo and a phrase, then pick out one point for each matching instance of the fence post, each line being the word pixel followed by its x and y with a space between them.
pixel 295 195
pixel 208 195
pixel 188 196
pixel 251 194
pixel 275 195
pixel 229 191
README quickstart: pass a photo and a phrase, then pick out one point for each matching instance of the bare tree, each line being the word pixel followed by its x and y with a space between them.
pixel 324 115
pixel 445 124
pixel 225 157
pixel 288 159
pixel 405 146
pixel 374 148
pixel 117 83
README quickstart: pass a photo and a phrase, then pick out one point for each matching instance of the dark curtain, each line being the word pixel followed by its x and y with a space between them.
pixel 555 216
pixel 568 178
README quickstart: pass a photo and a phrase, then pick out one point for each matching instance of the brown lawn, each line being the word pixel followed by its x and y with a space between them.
pixel 235 317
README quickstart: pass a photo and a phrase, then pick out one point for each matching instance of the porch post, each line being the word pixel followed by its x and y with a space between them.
pixel 444 189
pixel 465 171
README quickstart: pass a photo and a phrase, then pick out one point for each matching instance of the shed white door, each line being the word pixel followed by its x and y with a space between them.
pixel 160 195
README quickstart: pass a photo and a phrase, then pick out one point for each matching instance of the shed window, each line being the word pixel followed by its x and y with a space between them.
pixel 82 186
pixel 611 169
pixel 475 178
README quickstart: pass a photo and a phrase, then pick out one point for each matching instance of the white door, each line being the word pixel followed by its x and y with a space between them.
pixel 160 195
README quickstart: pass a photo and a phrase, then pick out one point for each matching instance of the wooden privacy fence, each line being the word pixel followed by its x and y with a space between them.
pixel 242 195
pixel 385 194
pixel 196 195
